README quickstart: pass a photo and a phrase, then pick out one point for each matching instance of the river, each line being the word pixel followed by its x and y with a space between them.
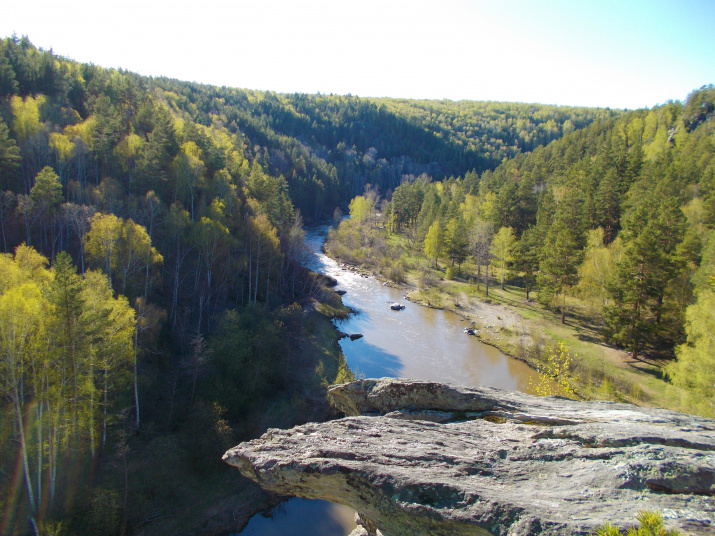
pixel 416 342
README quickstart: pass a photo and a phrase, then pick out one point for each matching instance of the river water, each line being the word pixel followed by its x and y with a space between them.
pixel 416 342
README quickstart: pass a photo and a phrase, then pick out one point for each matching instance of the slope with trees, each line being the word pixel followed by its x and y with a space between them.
pixel 609 226
pixel 154 303
pixel 153 255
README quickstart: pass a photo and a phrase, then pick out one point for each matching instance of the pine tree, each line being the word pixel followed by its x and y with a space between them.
pixel 46 195
pixel 608 206
pixel 652 232
pixel 9 157
pixel 526 258
pixel 456 241
pixel 558 264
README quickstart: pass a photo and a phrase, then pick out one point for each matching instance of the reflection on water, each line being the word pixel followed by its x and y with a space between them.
pixel 417 342
pixel 300 517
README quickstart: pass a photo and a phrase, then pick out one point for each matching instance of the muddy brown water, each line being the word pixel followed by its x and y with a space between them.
pixel 416 342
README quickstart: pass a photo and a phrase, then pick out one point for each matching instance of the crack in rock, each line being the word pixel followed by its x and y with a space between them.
pixel 415 457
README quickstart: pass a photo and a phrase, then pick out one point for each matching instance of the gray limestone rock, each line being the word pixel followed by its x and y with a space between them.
pixel 416 457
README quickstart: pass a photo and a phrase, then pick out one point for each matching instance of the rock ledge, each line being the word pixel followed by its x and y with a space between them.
pixel 416 457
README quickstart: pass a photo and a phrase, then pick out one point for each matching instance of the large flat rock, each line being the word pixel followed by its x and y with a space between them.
pixel 425 458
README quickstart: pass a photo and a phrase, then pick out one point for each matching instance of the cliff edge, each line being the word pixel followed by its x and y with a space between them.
pixel 418 457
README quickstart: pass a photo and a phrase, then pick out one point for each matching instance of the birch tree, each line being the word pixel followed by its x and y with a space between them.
pixel 502 249
pixel 434 242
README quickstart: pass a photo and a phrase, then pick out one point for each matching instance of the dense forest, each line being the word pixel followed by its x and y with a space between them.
pixel 329 147
pixel 154 307
pixel 615 218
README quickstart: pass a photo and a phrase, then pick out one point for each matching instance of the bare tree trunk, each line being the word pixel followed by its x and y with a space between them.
pixel 250 272
pixel 104 409
pixel 136 373
pixel 23 449
pixel 258 260
pixel 486 279
pixel 39 412
pixel 171 402
pixel 268 279
pixel 92 439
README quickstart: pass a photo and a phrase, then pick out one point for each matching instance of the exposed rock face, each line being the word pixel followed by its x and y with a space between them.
pixel 425 458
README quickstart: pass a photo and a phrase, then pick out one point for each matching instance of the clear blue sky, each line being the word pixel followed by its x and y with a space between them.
pixel 622 54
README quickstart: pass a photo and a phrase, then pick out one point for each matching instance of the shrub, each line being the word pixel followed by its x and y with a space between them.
pixel 556 376
pixel 396 272
pixel 651 525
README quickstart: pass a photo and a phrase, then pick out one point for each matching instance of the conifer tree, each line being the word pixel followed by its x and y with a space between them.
pixel 456 241
pixel 526 258
pixel 652 232
pixel 558 264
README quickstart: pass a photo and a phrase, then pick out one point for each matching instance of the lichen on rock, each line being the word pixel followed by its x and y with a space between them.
pixel 416 457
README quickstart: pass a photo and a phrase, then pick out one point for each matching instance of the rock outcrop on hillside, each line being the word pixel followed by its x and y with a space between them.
pixel 416 457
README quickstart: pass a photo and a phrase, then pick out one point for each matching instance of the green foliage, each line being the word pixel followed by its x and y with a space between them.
pixel 456 240
pixel 9 156
pixel 47 191
pixel 502 249
pixel 556 376
pixel 643 273
pixel 123 249
pixel 104 513
pixel 51 528
pixel 362 209
pixel 249 354
pixel 65 344
pixel 526 258
pixel 204 182
pixel 406 203
pixel 694 369
pixel 699 104
pixel 651 524
pixel 434 242
pixel 558 266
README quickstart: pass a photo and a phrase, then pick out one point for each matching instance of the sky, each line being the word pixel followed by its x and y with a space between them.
pixel 618 54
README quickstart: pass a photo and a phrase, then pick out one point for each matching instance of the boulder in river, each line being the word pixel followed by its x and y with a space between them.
pixel 355 336
pixel 341 292
pixel 418 457
pixel 397 307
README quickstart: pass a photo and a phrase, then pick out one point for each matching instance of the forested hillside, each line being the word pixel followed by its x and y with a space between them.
pixel 615 220
pixel 329 147
pixel 154 308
